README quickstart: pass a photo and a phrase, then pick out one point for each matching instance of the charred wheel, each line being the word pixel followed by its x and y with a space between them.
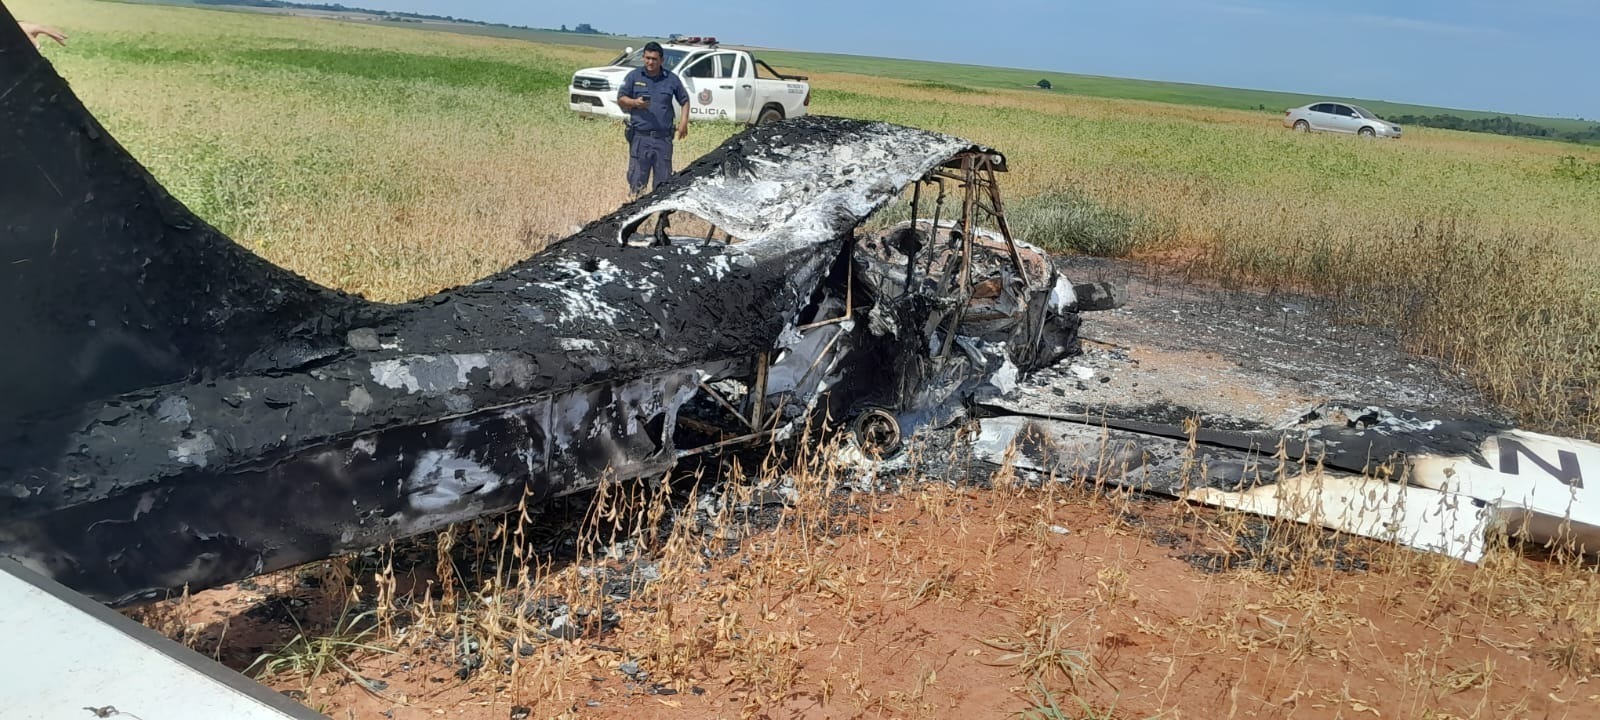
pixel 877 432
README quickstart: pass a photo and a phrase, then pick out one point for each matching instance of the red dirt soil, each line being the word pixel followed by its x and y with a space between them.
pixel 960 602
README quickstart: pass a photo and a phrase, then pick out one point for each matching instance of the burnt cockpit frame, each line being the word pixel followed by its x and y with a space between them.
pixel 970 267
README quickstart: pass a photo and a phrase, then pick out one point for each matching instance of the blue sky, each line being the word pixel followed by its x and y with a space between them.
pixel 1538 57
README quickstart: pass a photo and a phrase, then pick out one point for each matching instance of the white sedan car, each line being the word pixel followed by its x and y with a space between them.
pixel 1339 117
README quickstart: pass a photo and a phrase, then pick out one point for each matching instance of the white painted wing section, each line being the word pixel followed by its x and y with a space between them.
pixel 1423 518
pixel 1416 517
pixel 1540 485
pixel 65 657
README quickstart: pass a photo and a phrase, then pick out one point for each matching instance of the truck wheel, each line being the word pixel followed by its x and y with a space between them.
pixel 769 114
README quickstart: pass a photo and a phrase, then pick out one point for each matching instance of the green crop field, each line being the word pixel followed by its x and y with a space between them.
pixel 594 40
pixel 391 162
pixel 978 76
pixel 954 76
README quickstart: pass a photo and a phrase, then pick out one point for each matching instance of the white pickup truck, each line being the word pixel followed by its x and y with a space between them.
pixel 723 83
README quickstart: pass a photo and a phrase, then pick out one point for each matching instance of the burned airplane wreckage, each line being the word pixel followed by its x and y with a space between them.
pixel 179 412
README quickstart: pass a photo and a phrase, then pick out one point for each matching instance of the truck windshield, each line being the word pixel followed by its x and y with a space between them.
pixel 669 59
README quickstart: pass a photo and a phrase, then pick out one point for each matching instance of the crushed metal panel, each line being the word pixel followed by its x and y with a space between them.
pixel 1062 450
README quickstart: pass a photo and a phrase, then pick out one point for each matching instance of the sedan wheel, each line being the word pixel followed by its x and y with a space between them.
pixel 1367 132
pixel 1302 126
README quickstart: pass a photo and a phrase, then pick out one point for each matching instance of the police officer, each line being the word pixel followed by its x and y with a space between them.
pixel 647 95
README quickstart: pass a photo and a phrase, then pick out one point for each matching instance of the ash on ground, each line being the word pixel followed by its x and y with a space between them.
pixel 1236 359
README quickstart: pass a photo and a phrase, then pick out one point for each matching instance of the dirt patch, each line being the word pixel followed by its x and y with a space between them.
pixel 969 602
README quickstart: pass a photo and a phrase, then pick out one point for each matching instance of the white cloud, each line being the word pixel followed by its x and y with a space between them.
pixel 1429 26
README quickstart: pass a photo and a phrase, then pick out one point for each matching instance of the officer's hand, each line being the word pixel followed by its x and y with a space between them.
pixel 683 131
pixel 37 33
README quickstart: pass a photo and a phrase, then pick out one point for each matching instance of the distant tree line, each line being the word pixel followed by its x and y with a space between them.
pixel 1499 125
pixel 390 15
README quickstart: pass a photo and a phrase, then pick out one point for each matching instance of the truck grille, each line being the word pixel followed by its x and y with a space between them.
pixel 584 82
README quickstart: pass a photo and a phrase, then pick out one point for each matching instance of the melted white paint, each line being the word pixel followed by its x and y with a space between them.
pixel 1063 298
pixel 394 374
pixel 441 480
pixel 359 402
pixel 791 197
pixel 511 369
pixel 174 409
pixel 429 374
pixel 1005 379
pixel 579 291
pixel 465 364
pixel 193 451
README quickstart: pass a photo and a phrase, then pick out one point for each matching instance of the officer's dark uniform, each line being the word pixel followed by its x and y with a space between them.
pixel 650 130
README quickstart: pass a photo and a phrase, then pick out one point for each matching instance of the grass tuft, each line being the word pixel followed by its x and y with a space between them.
pixel 307 657
pixel 1070 221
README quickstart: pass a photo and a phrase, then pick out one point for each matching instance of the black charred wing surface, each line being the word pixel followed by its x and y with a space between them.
pixel 180 412
pixel 1387 438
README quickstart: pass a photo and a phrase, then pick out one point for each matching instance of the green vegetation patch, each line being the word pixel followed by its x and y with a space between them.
pixel 402 66
pixel 1572 168
pixel 1063 219
pixel 141 52
pixel 362 63
pixel 946 87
